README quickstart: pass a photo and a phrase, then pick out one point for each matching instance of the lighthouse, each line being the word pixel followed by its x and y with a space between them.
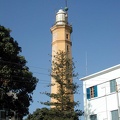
pixel 61 41
pixel 61 33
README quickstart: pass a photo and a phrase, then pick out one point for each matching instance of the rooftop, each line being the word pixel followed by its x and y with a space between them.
pixel 101 72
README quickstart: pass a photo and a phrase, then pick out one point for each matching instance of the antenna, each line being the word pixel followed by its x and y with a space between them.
pixel 66 3
pixel 86 64
pixel 66 8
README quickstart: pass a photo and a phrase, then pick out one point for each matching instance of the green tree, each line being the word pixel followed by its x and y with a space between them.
pixel 63 72
pixel 16 81
pixel 53 114
pixel 39 114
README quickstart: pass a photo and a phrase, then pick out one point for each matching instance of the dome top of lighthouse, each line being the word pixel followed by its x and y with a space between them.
pixel 61 17
pixel 61 11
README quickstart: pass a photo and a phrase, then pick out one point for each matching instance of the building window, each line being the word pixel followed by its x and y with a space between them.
pixel 67 48
pixel 67 36
pixel 92 92
pixel 2 115
pixel 112 85
pixel 114 115
pixel 93 117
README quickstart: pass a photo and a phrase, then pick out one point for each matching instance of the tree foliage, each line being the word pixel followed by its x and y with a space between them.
pixel 63 108
pixel 53 114
pixel 63 73
pixel 14 76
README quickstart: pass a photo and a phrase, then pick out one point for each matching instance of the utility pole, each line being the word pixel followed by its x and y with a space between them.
pixel 66 3
pixel 106 102
pixel 86 114
pixel 117 90
pixel 86 64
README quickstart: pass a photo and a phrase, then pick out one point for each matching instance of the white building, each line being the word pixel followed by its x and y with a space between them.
pixel 102 94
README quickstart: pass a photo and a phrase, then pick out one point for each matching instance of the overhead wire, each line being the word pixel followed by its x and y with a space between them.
pixel 39 67
pixel 39 82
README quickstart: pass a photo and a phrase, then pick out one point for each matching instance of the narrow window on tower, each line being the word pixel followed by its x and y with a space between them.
pixel 67 48
pixel 67 36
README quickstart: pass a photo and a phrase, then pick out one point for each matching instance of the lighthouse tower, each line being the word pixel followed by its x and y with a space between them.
pixel 61 40
pixel 61 32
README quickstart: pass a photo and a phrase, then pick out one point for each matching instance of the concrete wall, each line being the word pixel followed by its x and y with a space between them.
pixel 105 102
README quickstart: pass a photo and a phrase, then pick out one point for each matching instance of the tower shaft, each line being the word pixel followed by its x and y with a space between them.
pixel 61 41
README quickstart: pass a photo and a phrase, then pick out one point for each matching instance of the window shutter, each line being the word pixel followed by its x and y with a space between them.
pixel 95 91
pixel 112 85
pixel 93 117
pixel 88 93
pixel 114 114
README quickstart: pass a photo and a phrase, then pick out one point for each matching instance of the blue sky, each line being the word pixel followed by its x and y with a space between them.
pixel 96 31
